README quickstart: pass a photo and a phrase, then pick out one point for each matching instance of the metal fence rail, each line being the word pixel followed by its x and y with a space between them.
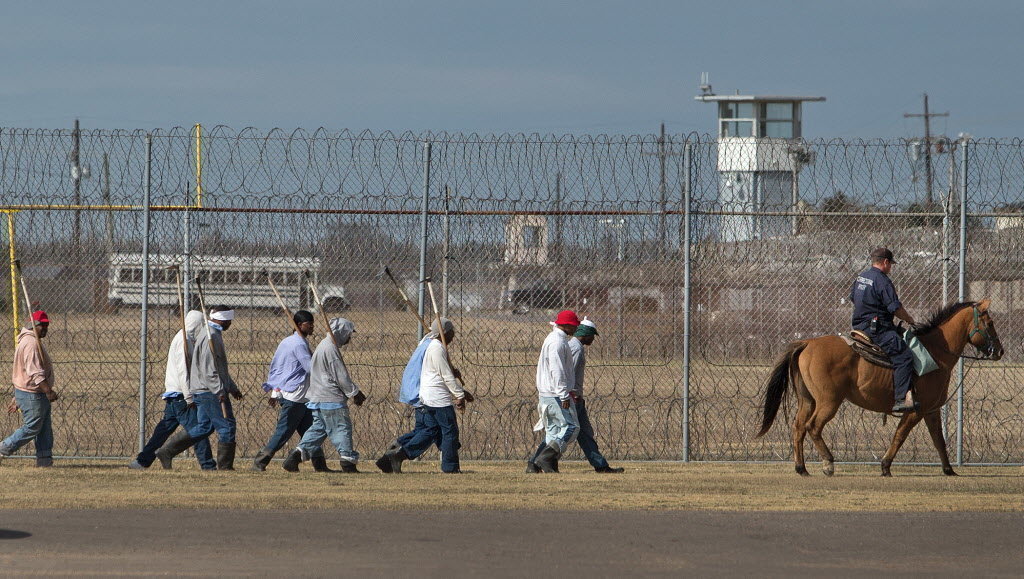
pixel 694 300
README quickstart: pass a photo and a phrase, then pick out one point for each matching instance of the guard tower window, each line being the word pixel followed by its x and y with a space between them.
pixel 737 119
pixel 531 237
pixel 777 120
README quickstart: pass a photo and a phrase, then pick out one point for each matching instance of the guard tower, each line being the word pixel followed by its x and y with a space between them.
pixel 760 156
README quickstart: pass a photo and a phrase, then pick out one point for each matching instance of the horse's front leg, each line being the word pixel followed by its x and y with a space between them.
pixel 907 423
pixel 933 421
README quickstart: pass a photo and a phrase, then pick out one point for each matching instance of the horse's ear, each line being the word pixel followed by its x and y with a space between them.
pixel 983 305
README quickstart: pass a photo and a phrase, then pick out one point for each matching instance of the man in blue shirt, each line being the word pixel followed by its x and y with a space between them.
pixel 288 383
pixel 875 303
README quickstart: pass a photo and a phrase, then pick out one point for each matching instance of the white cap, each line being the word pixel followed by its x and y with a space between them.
pixel 226 316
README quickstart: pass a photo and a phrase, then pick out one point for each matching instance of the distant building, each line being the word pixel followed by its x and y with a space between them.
pixel 526 240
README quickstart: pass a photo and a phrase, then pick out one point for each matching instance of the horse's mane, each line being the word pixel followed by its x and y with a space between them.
pixel 941 316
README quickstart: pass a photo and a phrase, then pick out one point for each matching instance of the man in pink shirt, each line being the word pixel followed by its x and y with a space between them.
pixel 33 393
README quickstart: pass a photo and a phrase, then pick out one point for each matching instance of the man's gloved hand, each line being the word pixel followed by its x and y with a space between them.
pixel 460 404
pixel 272 402
pixel 359 398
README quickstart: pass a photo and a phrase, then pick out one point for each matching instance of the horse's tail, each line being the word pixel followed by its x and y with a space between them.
pixel 784 373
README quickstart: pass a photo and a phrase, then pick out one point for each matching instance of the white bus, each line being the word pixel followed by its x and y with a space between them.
pixel 231 280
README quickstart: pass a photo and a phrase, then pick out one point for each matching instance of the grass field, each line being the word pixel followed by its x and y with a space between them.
pixel 655 486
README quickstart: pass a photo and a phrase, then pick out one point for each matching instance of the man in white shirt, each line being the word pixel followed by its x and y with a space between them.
pixel 584 336
pixel 555 379
pixel 440 395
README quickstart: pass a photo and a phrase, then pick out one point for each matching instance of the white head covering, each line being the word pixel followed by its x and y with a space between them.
pixel 223 316
pixel 342 330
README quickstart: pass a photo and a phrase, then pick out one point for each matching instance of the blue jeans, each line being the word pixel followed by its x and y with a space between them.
pixel 209 418
pixel 585 438
pixel 420 426
pixel 436 422
pixel 36 425
pixel 902 361
pixel 560 424
pixel 335 424
pixel 176 413
pixel 292 417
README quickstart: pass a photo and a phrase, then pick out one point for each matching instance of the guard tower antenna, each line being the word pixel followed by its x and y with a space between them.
pixel 705 84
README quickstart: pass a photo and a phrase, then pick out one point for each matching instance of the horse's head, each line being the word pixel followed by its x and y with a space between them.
pixel 982 333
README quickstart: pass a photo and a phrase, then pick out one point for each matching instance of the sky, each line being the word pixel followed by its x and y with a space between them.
pixel 530 66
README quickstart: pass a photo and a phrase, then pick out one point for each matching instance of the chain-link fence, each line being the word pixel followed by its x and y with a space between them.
pixel 694 301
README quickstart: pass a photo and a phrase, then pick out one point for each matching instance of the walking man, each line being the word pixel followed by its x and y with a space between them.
pixel 439 395
pixel 288 382
pixel 874 304
pixel 330 388
pixel 33 392
pixel 555 380
pixel 179 407
pixel 211 384
pixel 584 336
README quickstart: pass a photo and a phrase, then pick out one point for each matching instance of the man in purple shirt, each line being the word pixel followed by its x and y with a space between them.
pixel 287 383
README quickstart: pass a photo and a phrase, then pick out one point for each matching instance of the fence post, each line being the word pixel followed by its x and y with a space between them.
pixel 14 277
pixel 143 354
pixel 962 295
pixel 687 193
pixel 423 233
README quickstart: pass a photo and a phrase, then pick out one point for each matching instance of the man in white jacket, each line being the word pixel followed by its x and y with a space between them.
pixel 179 409
pixel 440 395
pixel 555 379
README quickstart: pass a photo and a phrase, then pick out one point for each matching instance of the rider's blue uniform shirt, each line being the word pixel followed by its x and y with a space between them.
pixel 873 295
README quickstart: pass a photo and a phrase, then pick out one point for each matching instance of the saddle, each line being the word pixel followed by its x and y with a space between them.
pixel 865 348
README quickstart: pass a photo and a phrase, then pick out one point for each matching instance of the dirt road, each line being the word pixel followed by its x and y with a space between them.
pixel 503 544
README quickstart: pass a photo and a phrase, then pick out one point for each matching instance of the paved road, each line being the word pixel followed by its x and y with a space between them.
pixel 502 544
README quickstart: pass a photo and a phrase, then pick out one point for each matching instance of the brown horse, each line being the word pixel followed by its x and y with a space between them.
pixel 824 372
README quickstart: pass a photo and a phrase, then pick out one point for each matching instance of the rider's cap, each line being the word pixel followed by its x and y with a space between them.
pixel 880 253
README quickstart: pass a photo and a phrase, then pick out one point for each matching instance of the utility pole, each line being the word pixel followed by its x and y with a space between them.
pixel 927 145
pixel 663 154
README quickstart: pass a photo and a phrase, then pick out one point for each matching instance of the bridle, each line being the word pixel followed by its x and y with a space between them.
pixel 976 328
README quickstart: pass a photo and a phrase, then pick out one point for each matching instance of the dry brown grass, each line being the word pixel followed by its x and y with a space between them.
pixel 503 486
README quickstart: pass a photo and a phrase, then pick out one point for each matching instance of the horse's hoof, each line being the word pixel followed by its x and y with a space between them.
pixel 802 471
pixel 949 472
pixel 828 469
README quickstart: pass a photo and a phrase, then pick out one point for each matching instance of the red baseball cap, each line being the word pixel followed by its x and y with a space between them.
pixel 40 317
pixel 567 318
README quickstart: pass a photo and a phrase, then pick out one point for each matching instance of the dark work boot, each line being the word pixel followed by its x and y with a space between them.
pixel 320 464
pixel 262 460
pixel 177 444
pixel 225 456
pixel 532 468
pixel 46 462
pixel 391 462
pixel 547 460
pixel 610 469
pixel 349 467
pixel 291 462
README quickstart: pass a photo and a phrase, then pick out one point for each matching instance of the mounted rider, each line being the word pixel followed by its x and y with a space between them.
pixel 874 304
